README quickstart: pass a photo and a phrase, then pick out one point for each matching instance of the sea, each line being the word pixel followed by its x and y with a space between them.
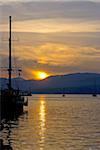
pixel 54 122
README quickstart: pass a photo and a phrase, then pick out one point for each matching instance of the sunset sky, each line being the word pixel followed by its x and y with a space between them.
pixel 57 37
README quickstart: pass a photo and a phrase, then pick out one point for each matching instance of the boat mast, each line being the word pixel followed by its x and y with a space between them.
pixel 10 66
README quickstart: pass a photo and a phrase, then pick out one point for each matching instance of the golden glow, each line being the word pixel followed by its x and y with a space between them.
pixel 52 26
pixel 39 75
pixel 42 121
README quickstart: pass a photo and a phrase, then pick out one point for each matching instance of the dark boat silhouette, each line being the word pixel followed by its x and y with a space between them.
pixel 29 94
pixel 12 101
pixel 63 95
pixel 95 90
pixel 94 95
pixel 4 147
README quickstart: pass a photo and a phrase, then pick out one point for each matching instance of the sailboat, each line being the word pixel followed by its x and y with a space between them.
pixel 95 90
pixel 63 95
pixel 12 101
pixel 94 95
pixel 63 90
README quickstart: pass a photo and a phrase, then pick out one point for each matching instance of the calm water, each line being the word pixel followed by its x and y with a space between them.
pixel 52 122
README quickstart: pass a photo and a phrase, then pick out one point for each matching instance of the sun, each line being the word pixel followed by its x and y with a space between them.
pixel 40 75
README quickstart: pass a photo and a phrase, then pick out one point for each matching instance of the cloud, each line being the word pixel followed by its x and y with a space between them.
pixel 57 38
pixel 54 57
pixel 52 25
pixel 46 17
pixel 83 10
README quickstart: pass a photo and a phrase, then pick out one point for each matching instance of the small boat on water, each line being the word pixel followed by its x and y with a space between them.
pixel 94 95
pixel 95 89
pixel 29 94
pixel 12 101
pixel 63 95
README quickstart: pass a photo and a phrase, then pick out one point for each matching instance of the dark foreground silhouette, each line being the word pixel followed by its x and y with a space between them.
pixel 4 147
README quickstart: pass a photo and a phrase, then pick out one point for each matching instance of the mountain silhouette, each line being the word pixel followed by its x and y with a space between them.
pixel 77 83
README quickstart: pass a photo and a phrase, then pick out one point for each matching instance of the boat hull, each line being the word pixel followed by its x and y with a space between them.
pixel 12 104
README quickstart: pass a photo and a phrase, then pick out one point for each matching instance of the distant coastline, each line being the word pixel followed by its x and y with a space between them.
pixel 77 83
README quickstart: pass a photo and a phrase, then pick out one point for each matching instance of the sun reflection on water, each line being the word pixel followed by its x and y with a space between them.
pixel 42 121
